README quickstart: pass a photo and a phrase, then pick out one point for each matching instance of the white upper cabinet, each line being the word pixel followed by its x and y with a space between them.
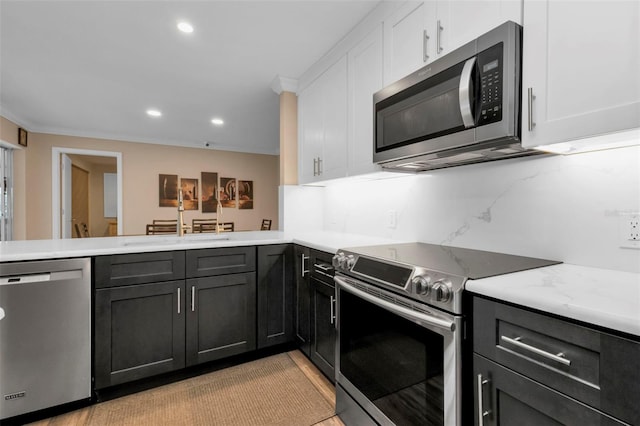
pixel 457 22
pixel 420 32
pixel 581 65
pixel 407 43
pixel 322 115
pixel 365 64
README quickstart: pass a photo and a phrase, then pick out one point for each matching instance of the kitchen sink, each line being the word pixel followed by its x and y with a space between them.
pixel 154 241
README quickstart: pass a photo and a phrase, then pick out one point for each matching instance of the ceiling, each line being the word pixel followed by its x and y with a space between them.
pixel 93 68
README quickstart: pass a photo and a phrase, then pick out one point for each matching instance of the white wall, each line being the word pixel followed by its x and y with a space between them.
pixel 559 207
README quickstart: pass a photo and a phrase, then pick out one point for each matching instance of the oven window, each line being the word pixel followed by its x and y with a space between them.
pixel 395 363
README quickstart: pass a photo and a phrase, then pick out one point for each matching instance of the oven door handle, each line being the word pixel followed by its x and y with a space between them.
pixel 396 309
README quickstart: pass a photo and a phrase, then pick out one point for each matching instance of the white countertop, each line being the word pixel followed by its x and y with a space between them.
pixel 602 297
pixel 80 247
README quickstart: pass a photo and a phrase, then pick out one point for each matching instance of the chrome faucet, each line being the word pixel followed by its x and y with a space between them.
pixel 179 226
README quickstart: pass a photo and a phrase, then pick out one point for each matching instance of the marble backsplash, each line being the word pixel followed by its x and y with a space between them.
pixel 565 208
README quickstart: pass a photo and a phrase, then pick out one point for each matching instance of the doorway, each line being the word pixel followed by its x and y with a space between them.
pixel 62 190
pixel 80 201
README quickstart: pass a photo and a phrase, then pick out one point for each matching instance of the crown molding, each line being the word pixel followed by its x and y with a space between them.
pixel 284 84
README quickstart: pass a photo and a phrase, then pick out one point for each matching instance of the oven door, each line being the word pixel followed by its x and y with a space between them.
pixel 398 359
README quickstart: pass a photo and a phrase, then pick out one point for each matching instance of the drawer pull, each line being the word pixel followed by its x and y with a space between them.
pixel 482 413
pixel 559 357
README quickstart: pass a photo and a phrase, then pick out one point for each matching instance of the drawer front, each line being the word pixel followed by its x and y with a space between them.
pixel 506 398
pixel 578 361
pixel 138 268
pixel 220 261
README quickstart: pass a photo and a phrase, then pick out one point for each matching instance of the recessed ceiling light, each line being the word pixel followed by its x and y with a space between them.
pixel 185 27
pixel 154 113
pixel 217 121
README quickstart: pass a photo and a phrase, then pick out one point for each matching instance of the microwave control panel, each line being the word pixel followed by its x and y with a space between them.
pixel 490 69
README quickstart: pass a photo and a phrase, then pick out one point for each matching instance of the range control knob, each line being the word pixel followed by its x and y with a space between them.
pixel 350 261
pixel 441 291
pixel 335 261
pixel 421 284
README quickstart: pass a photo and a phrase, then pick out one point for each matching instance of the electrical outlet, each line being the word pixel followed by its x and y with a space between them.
pixel 630 231
pixel 392 219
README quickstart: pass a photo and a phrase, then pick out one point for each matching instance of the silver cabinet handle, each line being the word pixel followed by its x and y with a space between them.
pixel 481 411
pixel 322 267
pixel 438 37
pixel 559 357
pixel 531 97
pixel 464 95
pixel 304 271
pixel 333 311
pixel 193 298
pixel 178 299
pixel 315 167
pixel 425 41
pixel 319 166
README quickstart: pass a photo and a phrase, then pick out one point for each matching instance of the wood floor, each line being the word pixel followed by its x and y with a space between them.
pixel 79 417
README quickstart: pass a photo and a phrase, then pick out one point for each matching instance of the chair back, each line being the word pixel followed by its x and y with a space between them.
pixel 203 225
pixel 266 225
pixel 162 228
pixel 226 227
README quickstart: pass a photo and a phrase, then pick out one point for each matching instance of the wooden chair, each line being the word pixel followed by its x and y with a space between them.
pixel 266 225
pixel 226 227
pixel 161 228
pixel 77 228
pixel 84 230
pixel 203 225
pixel 165 221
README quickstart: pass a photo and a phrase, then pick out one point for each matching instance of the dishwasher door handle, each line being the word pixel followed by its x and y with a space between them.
pixel 21 279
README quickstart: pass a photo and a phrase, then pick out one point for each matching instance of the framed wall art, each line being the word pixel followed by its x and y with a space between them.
pixel 209 192
pixel 22 136
pixel 168 190
pixel 228 192
pixel 245 194
pixel 190 193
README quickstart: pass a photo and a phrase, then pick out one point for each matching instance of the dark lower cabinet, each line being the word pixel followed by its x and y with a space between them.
pixel 275 295
pixel 139 331
pixel 221 317
pixel 323 331
pixel 506 398
pixel 302 299
pixel 535 369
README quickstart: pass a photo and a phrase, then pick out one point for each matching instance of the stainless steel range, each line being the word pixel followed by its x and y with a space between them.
pixel 401 330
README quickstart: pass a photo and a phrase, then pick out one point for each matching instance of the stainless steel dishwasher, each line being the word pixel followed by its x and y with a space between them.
pixel 45 334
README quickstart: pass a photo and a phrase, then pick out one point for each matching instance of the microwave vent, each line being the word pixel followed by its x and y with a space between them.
pixel 459 157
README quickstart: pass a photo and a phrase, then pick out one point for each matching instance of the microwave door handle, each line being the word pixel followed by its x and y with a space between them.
pixel 465 93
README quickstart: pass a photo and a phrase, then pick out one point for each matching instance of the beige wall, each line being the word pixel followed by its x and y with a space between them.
pixel 142 163
pixel 9 133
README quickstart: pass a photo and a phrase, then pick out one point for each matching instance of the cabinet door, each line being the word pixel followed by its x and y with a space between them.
pixel 323 331
pixel 139 332
pixel 582 62
pixel 221 317
pixel 275 295
pixel 220 261
pixel 365 78
pixel 302 298
pixel 408 45
pixel 311 132
pixel 333 162
pixel 138 268
pixel 462 21
pixel 508 398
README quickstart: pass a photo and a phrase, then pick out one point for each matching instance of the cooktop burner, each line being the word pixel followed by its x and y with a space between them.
pixel 430 273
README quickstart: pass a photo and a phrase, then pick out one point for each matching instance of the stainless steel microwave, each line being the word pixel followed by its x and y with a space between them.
pixel 462 108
